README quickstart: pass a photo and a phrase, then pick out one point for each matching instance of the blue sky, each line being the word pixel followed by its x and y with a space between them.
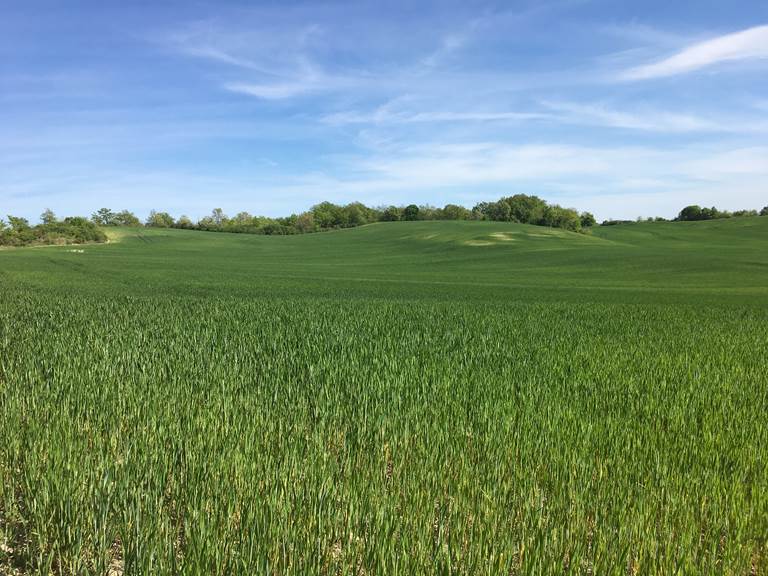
pixel 621 108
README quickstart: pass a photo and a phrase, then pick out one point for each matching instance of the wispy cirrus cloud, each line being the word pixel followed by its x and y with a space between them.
pixel 749 44
pixel 384 115
pixel 269 64
pixel 651 119
pixel 275 91
pixel 641 118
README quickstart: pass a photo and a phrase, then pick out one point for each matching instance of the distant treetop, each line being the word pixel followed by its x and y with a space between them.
pixel 521 208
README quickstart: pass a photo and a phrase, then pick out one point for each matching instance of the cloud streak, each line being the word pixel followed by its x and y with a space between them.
pixel 749 44
pixel 651 119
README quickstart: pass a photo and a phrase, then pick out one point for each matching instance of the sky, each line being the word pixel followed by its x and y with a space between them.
pixel 621 108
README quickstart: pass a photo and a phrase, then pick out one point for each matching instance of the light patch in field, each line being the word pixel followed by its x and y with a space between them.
pixel 478 243
pixel 503 236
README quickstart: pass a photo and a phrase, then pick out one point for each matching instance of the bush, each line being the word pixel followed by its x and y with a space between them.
pixel 72 230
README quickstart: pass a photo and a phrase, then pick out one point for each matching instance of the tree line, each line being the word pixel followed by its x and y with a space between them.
pixel 520 208
pixel 71 230
pixel 694 213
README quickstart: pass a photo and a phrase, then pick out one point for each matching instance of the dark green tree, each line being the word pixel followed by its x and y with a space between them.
pixel 587 220
pixel 689 213
pixel 18 224
pixel 499 211
pixel 559 217
pixel 411 212
pixel 526 209
pixel 391 214
pixel 103 217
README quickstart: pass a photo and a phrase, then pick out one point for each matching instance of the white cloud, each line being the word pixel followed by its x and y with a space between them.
pixel 276 91
pixel 748 44
pixel 651 119
pixel 612 182
pixel 747 162
pixel 384 115
pixel 646 119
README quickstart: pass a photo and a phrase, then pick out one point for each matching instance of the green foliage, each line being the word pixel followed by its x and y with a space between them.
pixel 48 217
pixel 104 217
pixel 526 209
pixel 764 211
pixel 455 212
pixel 411 212
pixel 305 223
pixel 694 213
pixel 391 214
pixel 329 216
pixel 161 219
pixel 531 210
pixel 558 217
pixel 185 222
pixel 18 224
pixel 587 219
pixel 403 398
pixel 126 218
pixel 72 230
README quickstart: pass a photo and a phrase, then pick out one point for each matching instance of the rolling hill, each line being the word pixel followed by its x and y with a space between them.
pixel 401 398
pixel 716 260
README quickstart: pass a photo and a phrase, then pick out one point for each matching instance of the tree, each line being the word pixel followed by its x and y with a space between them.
pixel 103 217
pixel 159 220
pixel 326 215
pixel 305 223
pixel 241 219
pixel 126 218
pixel 480 211
pixel 411 212
pixel 184 222
pixel 526 209
pixel 689 213
pixel 218 217
pixel 455 212
pixel 712 213
pixel 48 217
pixel 427 212
pixel 354 214
pixel 499 211
pixel 764 211
pixel 391 214
pixel 18 224
pixel 559 217
pixel 743 213
pixel 587 220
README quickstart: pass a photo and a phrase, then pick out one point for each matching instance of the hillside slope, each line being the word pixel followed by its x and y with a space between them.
pixel 402 398
pixel 717 260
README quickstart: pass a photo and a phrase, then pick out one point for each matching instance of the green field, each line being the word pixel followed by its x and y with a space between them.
pixel 400 398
